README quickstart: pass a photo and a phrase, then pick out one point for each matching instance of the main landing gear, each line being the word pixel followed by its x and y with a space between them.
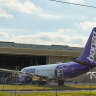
pixel 60 82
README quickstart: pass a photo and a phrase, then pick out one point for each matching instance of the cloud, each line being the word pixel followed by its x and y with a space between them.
pixel 49 16
pixel 83 17
pixel 49 38
pixel 24 7
pixel 4 34
pixel 75 1
pixel 5 14
pixel 86 25
pixel 94 18
pixel 61 30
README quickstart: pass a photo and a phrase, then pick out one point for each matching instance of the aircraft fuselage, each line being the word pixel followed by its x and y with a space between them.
pixel 60 71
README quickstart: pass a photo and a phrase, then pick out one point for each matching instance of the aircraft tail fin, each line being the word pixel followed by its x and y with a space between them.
pixel 88 52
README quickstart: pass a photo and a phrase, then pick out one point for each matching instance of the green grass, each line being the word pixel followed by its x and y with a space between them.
pixel 47 88
pixel 25 87
pixel 6 94
pixel 38 88
pixel 50 94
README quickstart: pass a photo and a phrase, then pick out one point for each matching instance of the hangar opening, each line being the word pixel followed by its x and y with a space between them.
pixel 11 61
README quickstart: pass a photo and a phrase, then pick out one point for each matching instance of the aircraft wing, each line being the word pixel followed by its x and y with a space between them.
pixel 17 72
pixel 12 71
pixel 22 73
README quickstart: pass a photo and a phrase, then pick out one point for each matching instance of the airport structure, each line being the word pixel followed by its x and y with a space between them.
pixel 23 55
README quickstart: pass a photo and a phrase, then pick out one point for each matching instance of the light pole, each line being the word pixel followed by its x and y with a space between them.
pixel 90 82
pixel 3 81
pixel 57 82
pixel 16 80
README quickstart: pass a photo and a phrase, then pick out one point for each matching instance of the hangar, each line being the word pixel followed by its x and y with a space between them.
pixel 22 55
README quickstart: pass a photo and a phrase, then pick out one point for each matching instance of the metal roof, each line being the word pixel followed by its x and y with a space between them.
pixel 41 47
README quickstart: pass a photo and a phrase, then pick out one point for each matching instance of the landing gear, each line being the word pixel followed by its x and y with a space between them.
pixel 60 82
pixel 41 82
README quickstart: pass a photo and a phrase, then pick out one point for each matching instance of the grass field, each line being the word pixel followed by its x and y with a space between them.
pixel 47 88
pixel 51 94
pixel 38 88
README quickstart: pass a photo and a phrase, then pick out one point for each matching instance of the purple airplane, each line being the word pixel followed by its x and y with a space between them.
pixel 63 71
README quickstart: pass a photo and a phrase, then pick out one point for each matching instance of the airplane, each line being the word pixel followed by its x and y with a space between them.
pixel 64 71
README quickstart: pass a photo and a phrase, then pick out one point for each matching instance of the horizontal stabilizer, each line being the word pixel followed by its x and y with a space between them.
pixel 82 63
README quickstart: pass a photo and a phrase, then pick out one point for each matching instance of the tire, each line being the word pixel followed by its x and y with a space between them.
pixel 60 82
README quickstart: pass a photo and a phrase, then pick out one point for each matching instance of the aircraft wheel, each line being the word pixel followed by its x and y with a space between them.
pixel 60 82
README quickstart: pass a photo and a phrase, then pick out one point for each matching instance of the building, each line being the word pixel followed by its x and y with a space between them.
pixel 22 55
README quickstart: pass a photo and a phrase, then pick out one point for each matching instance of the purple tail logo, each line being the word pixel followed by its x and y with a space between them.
pixel 93 47
pixel 89 50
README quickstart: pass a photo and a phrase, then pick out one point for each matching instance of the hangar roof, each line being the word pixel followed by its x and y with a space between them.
pixel 12 48
pixel 34 46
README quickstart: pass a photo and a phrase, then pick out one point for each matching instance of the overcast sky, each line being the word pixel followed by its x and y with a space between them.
pixel 46 22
